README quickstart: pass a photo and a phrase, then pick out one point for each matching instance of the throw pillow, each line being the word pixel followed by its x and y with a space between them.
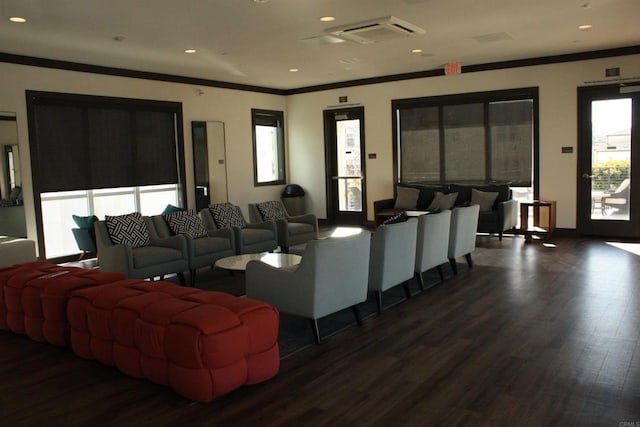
pixel 170 209
pixel 401 217
pixel 186 223
pixel 85 222
pixel 407 197
pixel 227 215
pixel 270 211
pixel 129 230
pixel 443 201
pixel 485 199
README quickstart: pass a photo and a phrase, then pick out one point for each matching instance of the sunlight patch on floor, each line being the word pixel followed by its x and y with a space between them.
pixel 633 248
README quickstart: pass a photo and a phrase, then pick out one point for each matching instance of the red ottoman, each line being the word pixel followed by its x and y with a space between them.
pixel 202 344
pixel 35 298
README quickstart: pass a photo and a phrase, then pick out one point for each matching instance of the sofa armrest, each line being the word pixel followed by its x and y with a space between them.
pixel 380 205
pixel 508 214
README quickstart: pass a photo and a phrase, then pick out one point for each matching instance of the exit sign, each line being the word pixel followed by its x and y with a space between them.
pixel 452 68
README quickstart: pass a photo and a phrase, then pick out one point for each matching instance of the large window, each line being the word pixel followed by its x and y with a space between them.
pixel 102 156
pixel 468 138
pixel 268 147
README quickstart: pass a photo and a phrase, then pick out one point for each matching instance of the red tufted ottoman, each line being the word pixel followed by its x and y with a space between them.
pixel 202 344
pixel 33 298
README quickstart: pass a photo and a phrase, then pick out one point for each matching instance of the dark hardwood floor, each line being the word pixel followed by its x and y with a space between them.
pixel 531 335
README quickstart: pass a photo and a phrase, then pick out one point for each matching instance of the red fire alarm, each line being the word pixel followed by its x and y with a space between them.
pixel 452 68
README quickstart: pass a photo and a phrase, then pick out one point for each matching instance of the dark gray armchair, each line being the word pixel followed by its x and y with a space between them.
pixel 202 251
pixel 292 229
pixel 157 258
pixel 249 237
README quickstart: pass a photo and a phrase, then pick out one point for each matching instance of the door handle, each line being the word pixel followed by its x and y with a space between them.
pixel 587 176
pixel 335 178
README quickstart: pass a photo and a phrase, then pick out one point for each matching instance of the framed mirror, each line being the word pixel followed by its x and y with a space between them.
pixel 12 220
pixel 209 162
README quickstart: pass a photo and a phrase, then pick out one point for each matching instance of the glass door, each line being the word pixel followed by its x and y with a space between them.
pixel 344 134
pixel 608 161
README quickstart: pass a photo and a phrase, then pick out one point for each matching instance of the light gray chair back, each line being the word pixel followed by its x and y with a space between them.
pixel 462 238
pixel 432 244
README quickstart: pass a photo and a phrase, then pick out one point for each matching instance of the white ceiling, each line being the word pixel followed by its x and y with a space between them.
pixel 241 41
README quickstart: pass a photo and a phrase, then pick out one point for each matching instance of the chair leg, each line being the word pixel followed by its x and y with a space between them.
pixel 192 277
pixel 469 260
pixel 316 330
pixel 180 278
pixel 454 266
pixel 418 275
pixel 500 235
pixel 356 313
pixel 440 272
pixel 379 300
pixel 407 289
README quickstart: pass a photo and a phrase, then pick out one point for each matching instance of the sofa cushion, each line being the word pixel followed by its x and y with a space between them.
pixel 210 245
pixel 252 236
pixel 464 191
pixel 271 211
pixel 170 209
pixel 129 230
pixel 485 199
pixel 186 223
pixel 227 215
pixel 148 256
pixel 443 201
pixel 296 228
pixel 407 198
pixel 85 222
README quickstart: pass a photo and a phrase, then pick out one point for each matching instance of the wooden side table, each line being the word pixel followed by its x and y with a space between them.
pixel 536 230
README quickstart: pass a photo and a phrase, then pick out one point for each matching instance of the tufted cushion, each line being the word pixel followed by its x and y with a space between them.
pixel 407 198
pixel 271 210
pixel 227 215
pixel 485 199
pixel 186 223
pixel 443 201
pixel 201 344
pixel 129 230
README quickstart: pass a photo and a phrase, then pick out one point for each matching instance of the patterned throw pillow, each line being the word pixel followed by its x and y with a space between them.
pixel 129 230
pixel 227 215
pixel 271 211
pixel 186 223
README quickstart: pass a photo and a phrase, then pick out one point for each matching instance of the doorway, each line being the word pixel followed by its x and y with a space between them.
pixel 344 151
pixel 609 134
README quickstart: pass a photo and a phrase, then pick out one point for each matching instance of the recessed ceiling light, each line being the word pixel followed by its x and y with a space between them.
pixel 294 70
pixel 416 50
pixel 260 1
pixel 189 51
pixel 327 18
pixel 585 27
pixel 18 19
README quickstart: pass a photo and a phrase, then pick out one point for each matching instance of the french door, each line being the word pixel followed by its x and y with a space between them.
pixel 344 148
pixel 609 161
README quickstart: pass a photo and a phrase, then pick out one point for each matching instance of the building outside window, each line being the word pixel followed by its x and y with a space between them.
pixel 268 147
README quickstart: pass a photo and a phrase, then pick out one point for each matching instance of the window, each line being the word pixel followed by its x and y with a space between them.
pixel 473 138
pixel 268 147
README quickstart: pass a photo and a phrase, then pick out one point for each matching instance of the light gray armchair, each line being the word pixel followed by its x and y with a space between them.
pixel 432 245
pixel 203 251
pixel 157 257
pixel 292 229
pixel 462 237
pixel 391 261
pixel 332 276
pixel 249 237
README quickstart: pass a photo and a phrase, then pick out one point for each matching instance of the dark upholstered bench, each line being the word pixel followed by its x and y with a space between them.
pixel 201 344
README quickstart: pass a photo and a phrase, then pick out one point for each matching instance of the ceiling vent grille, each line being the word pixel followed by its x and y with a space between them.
pixel 376 30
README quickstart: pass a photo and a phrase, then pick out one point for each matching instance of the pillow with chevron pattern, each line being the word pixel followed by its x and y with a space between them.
pixel 186 223
pixel 129 230
pixel 272 210
pixel 227 215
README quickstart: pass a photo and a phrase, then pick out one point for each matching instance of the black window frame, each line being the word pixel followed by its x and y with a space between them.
pixel 467 98
pixel 273 118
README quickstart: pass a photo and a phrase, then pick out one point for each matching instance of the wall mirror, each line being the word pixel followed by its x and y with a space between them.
pixel 12 221
pixel 209 163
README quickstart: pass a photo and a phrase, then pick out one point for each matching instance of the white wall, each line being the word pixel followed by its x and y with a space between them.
pixel 558 125
pixel 304 126
pixel 230 106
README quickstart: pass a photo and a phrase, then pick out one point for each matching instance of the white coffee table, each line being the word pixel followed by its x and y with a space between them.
pixel 239 262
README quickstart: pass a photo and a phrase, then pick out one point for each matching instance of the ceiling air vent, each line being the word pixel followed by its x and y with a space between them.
pixel 376 30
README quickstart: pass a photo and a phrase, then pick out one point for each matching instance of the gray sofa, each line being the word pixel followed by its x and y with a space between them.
pixel 502 216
